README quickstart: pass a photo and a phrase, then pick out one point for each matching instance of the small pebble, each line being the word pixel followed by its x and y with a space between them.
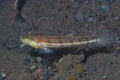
pixel 104 75
pixel 33 67
pixel 79 16
pixel 60 59
pixel 49 67
pixel 117 18
pixel 26 61
pixel 39 59
pixel 3 75
pixel 91 19
pixel 70 34
pixel 105 7
pixel 80 68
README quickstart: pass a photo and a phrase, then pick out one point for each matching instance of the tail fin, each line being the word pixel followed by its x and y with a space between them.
pixel 107 38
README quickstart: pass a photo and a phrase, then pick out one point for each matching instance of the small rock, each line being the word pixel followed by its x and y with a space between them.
pixel 104 75
pixel 3 75
pixel 33 67
pixel 39 59
pixel 26 61
pixel 39 72
pixel 79 16
pixel 105 7
pixel 91 19
pixel 49 67
pixel 80 68
pixel 117 18
pixel 70 34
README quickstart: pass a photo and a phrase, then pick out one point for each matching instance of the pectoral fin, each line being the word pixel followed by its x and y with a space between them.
pixel 22 45
pixel 45 51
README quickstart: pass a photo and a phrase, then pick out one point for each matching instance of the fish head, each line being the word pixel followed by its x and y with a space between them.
pixel 30 42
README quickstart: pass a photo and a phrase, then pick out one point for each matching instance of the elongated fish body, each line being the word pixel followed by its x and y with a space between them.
pixel 39 41
pixel 56 41
pixel 47 42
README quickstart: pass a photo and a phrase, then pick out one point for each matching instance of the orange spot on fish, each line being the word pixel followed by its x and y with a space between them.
pixel 37 46
pixel 48 41
pixel 60 41
pixel 39 39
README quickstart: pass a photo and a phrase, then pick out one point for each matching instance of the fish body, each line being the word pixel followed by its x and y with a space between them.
pixel 55 41
pixel 44 43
